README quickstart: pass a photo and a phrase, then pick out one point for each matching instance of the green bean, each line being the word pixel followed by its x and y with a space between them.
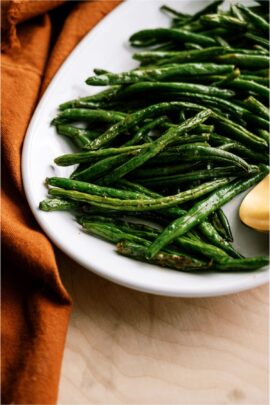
pixel 264 134
pixel 158 74
pixel 250 86
pixel 258 72
pixel 111 234
pixel 179 56
pixel 101 167
pixel 236 12
pixel 245 152
pixel 259 23
pixel 218 140
pixel 217 225
pixel 94 189
pixel 226 225
pixel 234 109
pixel 208 9
pixel 202 248
pixel 241 57
pixel 175 261
pixel 261 49
pixel 189 45
pixel 141 133
pixel 204 129
pixel 175 88
pixel 205 227
pixel 191 152
pixel 139 38
pixel 258 40
pixel 131 186
pixel 257 107
pixel 57 204
pixel 260 80
pixel 133 119
pixel 228 79
pixel 246 264
pixel 213 79
pixel 209 232
pixel 149 233
pixel 79 136
pixel 89 156
pixel 221 41
pixel 201 210
pixel 238 132
pixel 170 10
pixel 164 171
pixel 163 259
pixel 83 114
pixel 221 20
pixel 156 147
pixel 142 204
pixel 104 95
pixel 242 60
pixel 196 175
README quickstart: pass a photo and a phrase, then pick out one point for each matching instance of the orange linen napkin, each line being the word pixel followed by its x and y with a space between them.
pixel 37 37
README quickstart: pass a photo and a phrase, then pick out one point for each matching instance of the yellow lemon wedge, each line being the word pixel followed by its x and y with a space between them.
pixel 254 210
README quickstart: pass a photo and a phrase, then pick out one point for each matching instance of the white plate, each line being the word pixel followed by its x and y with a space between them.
pixel 106 47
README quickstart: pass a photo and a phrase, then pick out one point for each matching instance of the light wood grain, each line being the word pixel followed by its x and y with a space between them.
pixel 127 347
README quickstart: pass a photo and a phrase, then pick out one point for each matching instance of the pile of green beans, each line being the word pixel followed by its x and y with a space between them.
pixel 167 144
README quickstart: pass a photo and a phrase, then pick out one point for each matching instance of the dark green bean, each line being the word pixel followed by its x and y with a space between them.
pixel 196 152
pixel 238 132
pixel 175 88
pixel 165 57
pixel 163 259
pixel 250 86
pixel 159 74
pixel 228 79
pixel 242 60
pixel 57 204
pixel 258 40
pixel 104 95
pixel 89 156
pixel 222 20
pixel 140 204
pixel 257 107
pixel 151 172
pixel 81 137
pixel 259 23
pixel 201 210
pixel 209 232
pixel 133 119
pixel 156 147
pixel 196 175
pixel 226 225
pixel 245 152
pixel 101 167
pixel 83 114
pixel 164 34
pixel 94 189
pixel 247 264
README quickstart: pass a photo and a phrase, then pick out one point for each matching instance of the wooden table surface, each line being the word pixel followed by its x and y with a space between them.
pixel 127 347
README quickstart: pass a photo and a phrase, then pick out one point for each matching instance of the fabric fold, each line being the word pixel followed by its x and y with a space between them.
pixel 37 37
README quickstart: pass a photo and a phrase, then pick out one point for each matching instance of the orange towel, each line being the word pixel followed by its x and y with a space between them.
pixel 37 37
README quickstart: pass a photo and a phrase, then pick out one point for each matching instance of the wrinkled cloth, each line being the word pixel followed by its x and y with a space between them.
pixel 36 38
